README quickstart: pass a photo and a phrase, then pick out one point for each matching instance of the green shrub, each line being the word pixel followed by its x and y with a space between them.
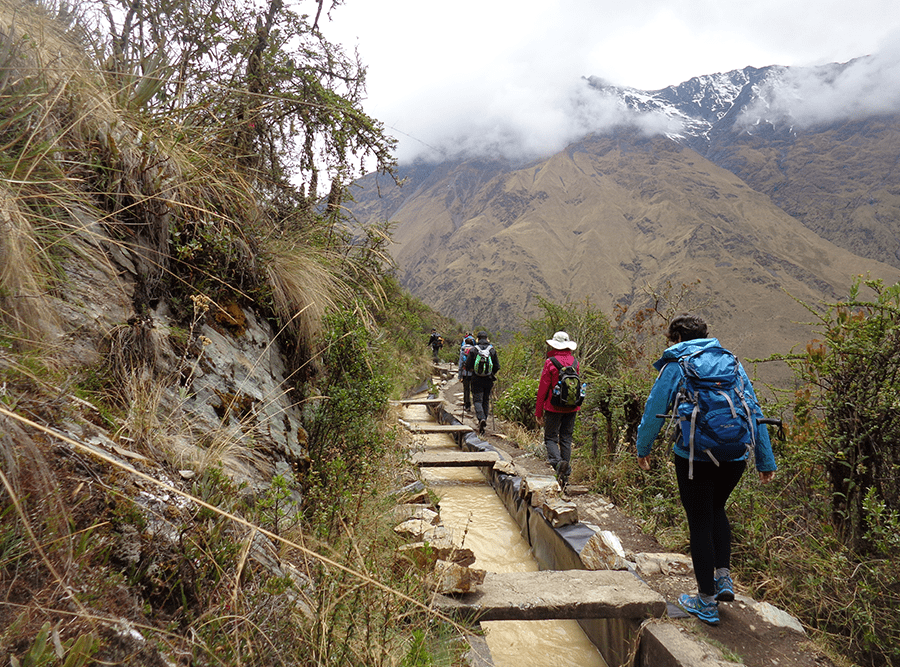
pixel 516 404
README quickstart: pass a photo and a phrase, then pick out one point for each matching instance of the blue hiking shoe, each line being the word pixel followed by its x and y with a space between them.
pixel 724 589
pixel 706 612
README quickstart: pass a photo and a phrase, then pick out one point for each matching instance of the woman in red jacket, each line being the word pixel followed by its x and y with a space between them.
pixel 558 421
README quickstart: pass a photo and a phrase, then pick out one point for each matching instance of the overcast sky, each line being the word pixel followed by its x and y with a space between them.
pixel 443 76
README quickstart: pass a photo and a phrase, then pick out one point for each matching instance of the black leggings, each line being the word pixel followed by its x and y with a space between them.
pixel 704 499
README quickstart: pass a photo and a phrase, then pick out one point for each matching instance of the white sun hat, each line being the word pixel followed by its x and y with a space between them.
pixel 560 341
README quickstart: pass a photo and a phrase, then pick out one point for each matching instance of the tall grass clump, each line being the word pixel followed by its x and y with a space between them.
pixel 211 592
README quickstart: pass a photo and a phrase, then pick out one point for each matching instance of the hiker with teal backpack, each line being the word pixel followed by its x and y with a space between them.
pixel 464 375
pixel 704 391
pixel 482 361
pixel 559 397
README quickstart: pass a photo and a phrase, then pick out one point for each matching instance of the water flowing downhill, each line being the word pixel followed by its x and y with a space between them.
pixel 476 515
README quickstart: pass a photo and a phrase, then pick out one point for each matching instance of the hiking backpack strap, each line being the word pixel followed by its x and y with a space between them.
pixel 683 392
pixel 559 364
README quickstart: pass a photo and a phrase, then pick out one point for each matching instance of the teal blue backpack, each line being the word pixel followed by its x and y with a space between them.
pixel 716 410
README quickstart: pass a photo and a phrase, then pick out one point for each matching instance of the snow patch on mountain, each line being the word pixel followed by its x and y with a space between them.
pixel 785 99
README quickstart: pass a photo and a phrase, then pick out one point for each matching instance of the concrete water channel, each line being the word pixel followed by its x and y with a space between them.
pixel 538 605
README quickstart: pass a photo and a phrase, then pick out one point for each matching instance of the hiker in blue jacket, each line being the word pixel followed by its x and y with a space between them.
pixel 703 485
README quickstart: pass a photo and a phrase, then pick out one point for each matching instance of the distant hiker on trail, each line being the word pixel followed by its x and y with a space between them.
pixel 555 413
pixel 482 361
pixel 464 375
pixel 709 460
pixel 436 342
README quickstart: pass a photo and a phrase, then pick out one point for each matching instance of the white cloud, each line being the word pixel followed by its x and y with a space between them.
pixel 813 96
pixel 517 123
pixel 509 72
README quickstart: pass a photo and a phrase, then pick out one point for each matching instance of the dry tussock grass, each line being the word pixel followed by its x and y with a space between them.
pixel 24 304
pixel 152 180
pixel 525 439
pixel 303 288
pixel 244 621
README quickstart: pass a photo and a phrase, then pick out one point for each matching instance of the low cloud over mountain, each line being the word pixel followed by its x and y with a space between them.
pixel 815 96
pixel 505 117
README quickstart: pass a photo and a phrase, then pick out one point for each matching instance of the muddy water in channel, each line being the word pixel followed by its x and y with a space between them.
pixel 471 509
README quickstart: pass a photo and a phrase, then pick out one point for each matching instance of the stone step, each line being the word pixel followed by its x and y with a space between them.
pixel 418 401
pixel 555 594
pixel 431 427
pixel 451 459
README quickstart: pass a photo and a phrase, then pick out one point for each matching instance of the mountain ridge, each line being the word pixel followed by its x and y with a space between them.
pixel 619 213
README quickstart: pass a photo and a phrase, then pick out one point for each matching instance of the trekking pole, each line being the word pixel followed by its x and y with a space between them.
pixel 771 421
pixel 493 419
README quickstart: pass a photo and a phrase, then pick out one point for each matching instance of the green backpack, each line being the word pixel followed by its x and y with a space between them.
pixel 484 364
pixel 569 390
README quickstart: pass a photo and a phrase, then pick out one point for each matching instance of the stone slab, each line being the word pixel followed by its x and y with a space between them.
pixel 451 459
pixel 431 427
pixel 555 594
pixel 418 401
pixel 670 645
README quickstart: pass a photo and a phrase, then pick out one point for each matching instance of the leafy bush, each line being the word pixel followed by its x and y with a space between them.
pixel 840 504
pixel 345 439
pixel 585 323
pixel 516 404
pixel 854 374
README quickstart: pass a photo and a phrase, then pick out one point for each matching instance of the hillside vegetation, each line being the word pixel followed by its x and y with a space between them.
pixel 761 224
pixel 196 350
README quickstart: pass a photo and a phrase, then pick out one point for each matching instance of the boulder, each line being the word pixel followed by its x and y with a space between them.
pixel 450 578
pixel 603 551
pixel 655 563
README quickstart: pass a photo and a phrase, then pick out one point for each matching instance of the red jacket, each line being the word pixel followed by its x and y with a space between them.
pixel 549 378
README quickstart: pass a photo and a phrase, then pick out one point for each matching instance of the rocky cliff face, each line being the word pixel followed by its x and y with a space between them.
pixel 219 379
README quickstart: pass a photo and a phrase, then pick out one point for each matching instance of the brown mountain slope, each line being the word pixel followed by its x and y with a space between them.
pixel 603 220
pixel 842 181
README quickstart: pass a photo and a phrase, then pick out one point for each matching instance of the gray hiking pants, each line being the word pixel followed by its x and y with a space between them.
pixel 558 430
pixel 481 397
